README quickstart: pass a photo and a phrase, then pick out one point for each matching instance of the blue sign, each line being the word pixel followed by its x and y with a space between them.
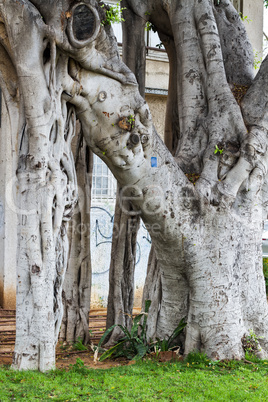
pixel 154 161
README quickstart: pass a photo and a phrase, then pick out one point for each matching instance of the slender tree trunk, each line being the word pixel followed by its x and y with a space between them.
pixel 77 285
pixel 152 291
pixel 122 267
pixel 134 52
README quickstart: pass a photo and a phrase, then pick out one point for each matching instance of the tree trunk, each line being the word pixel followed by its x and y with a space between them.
pixel 134 52
pixel 46 186
pixel 152 291
pixel 207 236
pixel 122 267
pixel 196 225
pixel 46 194
pixel 77 284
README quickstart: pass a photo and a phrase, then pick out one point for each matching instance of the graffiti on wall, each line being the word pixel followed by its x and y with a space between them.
pixel 102 231
pixel 102 221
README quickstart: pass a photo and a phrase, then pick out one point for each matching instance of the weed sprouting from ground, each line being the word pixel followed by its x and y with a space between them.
pixel 78 345
pixel 250 343
pixel 197 357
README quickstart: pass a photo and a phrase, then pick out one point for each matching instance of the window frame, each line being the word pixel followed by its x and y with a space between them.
pixel 106 192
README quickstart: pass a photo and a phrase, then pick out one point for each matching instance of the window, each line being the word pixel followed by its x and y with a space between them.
pixel 103 181
pixel 155 50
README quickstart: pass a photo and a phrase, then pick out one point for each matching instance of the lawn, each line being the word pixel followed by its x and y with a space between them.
pixel 194 380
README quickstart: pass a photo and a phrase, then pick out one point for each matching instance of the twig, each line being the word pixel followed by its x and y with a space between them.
pixel 247 361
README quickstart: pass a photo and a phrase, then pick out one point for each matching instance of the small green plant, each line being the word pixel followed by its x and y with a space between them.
pixel 198 357
pixel 257 59
pixel 218 150
pixel 166 344
pixel 150 27
pixel 251 357
pixel 250 343
pixel 244 18
pixel 79 364
pixel 133 345
pixel 113 14
pixel 131 120
pixel 78 345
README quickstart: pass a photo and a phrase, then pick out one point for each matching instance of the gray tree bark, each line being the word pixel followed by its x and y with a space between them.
pixel 207 237
pixel 77 284
pixel 122 268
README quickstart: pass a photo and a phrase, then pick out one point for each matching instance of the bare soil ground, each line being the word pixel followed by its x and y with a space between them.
pixel 69 355
pixel 66 354
pixel 64 361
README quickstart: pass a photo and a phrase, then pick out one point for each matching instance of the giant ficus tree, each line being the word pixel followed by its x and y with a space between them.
pixel 60 63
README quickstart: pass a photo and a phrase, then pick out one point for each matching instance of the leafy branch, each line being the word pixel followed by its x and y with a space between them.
pixel 113 14
pixel 244 18
pixel 150 27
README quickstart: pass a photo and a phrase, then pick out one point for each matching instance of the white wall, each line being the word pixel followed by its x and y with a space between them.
pixel 253 10
pixel 8 217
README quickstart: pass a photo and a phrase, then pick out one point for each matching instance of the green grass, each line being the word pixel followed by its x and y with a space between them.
pixel 194 380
